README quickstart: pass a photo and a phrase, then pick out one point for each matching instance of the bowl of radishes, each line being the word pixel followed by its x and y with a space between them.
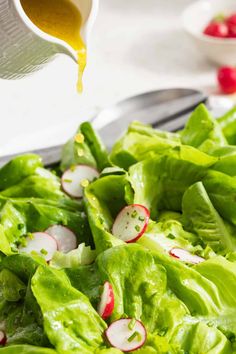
pixel 212 27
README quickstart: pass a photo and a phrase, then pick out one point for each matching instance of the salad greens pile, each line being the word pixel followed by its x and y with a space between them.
pixel 177 275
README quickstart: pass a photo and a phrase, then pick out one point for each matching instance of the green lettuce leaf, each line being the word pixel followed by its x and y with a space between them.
pixel 26 349
pixel 145 129
pixel 86 279
pixel 134 147
pixel 22 215
pixel 139 288
pixel 70 322
pixel 19 313
pixel 85 148
pixel 226 159
pixel 11 287
pixel 80 256
pixel 221 190
pixel 160 183
pixel 200 338
pixel 41 184
pixel 228 125
pixel 22 265
pixel 200 217
pixel 165 235
pixel 104 198
pixel 200 127
pixel 18 169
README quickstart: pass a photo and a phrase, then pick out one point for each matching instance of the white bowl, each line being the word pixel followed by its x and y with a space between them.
pixel 197 16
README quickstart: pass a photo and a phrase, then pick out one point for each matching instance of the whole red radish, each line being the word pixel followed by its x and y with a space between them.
pixel 216 29
pixel 231 23
pixel 227 79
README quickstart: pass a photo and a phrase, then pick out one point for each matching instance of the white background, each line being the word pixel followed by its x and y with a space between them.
pixel 137 45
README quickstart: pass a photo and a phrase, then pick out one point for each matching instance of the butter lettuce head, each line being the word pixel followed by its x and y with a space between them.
pixel 187 181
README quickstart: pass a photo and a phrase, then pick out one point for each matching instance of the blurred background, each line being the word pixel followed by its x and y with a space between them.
pixel 136 46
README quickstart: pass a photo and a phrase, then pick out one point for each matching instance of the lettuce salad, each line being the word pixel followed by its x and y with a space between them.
pixel 128 251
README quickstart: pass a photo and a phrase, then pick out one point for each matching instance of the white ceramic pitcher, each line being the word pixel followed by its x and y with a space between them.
pixel 24 48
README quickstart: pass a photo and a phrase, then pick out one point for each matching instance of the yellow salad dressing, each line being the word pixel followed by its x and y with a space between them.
pixel 61 19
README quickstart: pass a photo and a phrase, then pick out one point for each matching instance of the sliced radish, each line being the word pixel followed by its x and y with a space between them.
pixel 185 256
pixel 131 223
pixel 76 178
pixel 124 335
pixel 107 302
pixel 66 239
pixel 3 338
pixel 41 243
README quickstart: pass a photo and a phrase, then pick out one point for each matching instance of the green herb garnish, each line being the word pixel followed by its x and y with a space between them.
pixel 134 214
pixel 67 180
pixel 20 226
pixel 135 335
pixel 171 236
pixel 163 332
pixel 132 324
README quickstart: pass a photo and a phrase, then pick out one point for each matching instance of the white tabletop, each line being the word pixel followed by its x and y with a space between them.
pixel 137 45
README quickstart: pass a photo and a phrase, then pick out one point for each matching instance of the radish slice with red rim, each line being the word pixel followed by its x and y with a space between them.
pixel 76 178
pixel 66 239
pixel 126 334
pixel 41 243
pixel 185 256
pixel 3 338
pixel 131 223
pixel 107 302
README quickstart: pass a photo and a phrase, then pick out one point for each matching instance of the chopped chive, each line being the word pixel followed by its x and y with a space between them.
pixel 84 183
pixel 171 236
pixel 220 17
pixel 134 214
pixel 135 335
pixel 43 251
pixel 79 138
pixel 210 324
pixel 72 168
pixel 137 228
pixel 80 152
pixel 20 226
pixel 101 220
pixel 34 253
pixel 23 242
pixel 163 332
pixel 141 218
pixel 132 324
pixel 67 180
pixel 30 235
pixel 124 316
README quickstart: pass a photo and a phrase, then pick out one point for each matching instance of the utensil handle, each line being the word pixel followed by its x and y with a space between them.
pixel 50 156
